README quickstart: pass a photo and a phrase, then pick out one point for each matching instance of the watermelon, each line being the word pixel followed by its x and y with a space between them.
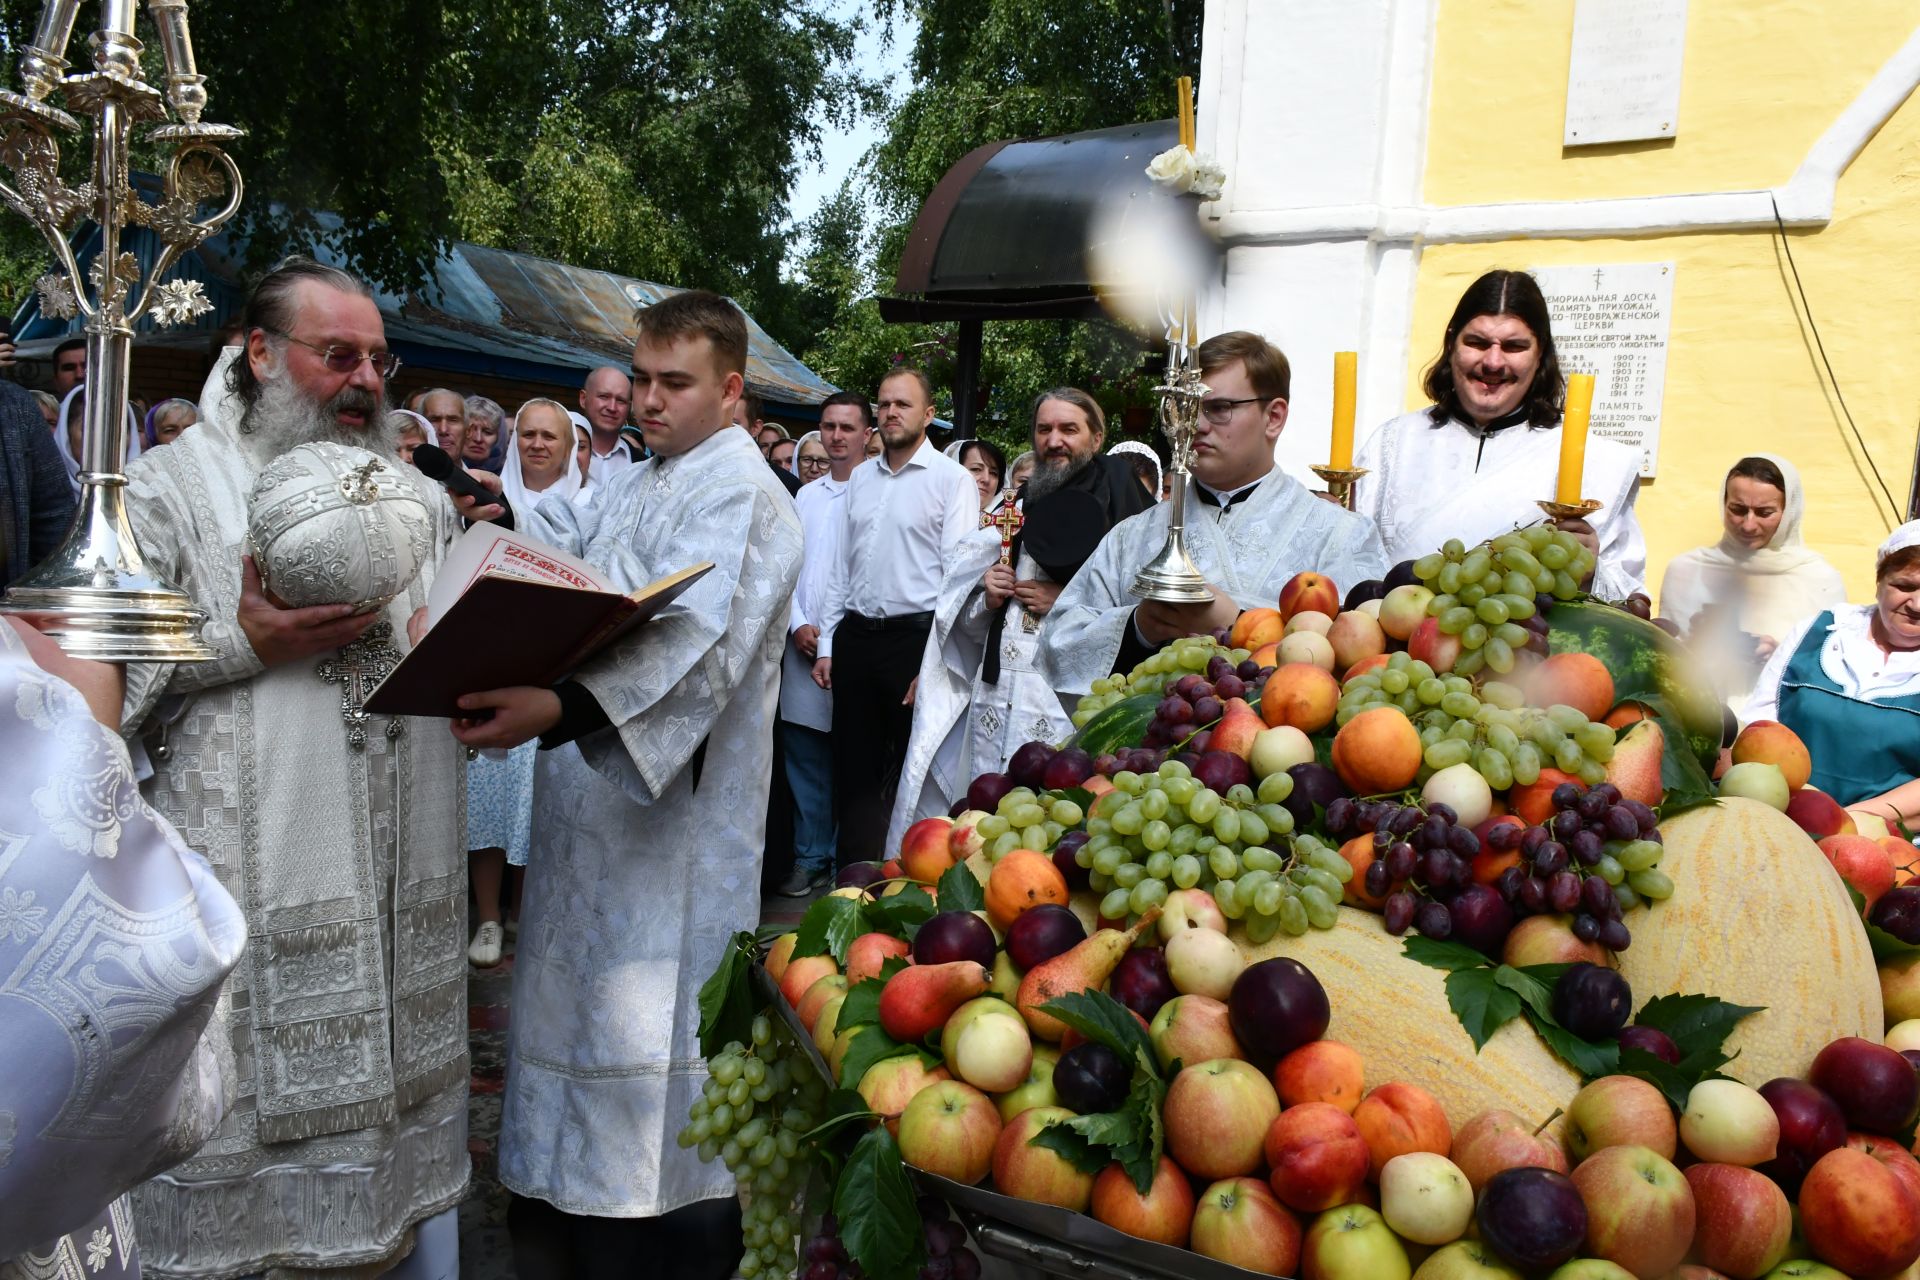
pixel 1122 725
pixel 1646 664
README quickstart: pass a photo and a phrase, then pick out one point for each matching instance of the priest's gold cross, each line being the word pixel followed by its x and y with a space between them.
pixel 360 667
pixel 1008 521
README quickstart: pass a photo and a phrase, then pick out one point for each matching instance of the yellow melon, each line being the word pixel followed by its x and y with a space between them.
pixel 1758 916
pixel 1394 1012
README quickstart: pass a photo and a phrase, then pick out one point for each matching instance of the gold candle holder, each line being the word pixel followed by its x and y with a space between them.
pixel 1340 483
pixel 1567 510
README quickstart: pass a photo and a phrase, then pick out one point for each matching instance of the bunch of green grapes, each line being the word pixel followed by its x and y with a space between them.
pixel 1490 596
pixel 1166 830
pixel 1178 658
pixel 1492 729
pixel 1026 819
pixel 756 1104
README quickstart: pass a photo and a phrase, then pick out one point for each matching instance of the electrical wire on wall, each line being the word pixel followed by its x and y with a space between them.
pixel 1833 380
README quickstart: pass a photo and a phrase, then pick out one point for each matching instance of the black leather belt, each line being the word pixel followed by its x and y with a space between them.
pixel 899 622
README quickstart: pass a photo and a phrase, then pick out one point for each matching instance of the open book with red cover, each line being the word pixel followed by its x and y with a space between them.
pixel 506 610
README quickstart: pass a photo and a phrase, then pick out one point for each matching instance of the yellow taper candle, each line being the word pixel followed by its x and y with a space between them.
pixel 1186 112
pixel 1573 437
pixel 1346 366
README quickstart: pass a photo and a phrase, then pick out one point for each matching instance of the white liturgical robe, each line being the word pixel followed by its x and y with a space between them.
pixel 647 838
pixel 1426 484
pixel 1248 550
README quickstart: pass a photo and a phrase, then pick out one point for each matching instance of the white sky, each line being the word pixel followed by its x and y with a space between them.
pixel 840 150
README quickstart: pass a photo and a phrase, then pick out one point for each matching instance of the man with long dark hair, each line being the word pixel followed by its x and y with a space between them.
pixel 1473 463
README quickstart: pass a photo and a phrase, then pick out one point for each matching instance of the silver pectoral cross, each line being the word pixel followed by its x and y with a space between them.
pixel 358 669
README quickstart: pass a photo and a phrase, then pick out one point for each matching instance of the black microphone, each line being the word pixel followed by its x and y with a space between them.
pixel 435 465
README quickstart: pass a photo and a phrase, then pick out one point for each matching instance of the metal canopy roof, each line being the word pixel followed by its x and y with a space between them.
pixel 1004 233
pixel 483 310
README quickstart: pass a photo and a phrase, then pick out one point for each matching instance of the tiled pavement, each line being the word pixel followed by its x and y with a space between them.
pixel 484 1250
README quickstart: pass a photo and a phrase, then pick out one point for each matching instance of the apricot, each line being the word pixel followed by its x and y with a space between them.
pixel 1771 742
pixel 1360 855
pixel 1302 695
pixel 1377 751
pixel 1904 857
pixel 1397 1118
pixel 1254 628
pixel 1577 680
pixel 1365 665
pixel 1324 1071
pixel 1534 801
pixel 1625 714
pixel 1267 655
pixel 1021 881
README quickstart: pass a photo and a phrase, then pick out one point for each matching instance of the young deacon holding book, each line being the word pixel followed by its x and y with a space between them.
pixel 647 838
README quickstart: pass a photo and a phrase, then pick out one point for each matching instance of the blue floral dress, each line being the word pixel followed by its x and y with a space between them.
pixel 500 802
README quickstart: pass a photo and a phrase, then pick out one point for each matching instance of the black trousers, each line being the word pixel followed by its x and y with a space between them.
pixel 872 671
pixel 777 859
pixel 696 1242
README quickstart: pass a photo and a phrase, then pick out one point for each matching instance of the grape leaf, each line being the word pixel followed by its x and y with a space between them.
pixel 1104 1020
pixel 727 1005
pixel 1698 1024
pixel 878 1211
pixel 900 914
pixel 1536 993
pixel 960 890
pixel 1071 1145
pixel 1886 946
pixel 1131 1135
pixel 870 1046
pixel 1665 1076
pixel 829 925
pixel 1140 1155
pixel 1584 1056
pixel 1481 1003
pixel 1443 955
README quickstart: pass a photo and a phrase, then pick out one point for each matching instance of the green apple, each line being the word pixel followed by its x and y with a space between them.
pixel 1727 1122
pixel 993 1053
pixel 1804 1269
pixel 1354 1243
pixel 1278 749
pixel 966 1013
pixel 1756 780
pixel 1006 977
pixel 1465 1260
pixel 1425 1198
pixel 1038 1089
pixel 1590 1269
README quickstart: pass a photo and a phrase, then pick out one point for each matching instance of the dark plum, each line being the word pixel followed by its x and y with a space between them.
pixel 1063 858
pixel 1029 766
pixel 1221 770
pixel 957 808
pixel 1068 768
pixel 1043 932
pixel 1591 1001
pixel 1141 982
pixel 1313 784
pixel 1650 1040
pixel 984 792
pixel 1811 1124
pixel 1276 1006
pixel 1361 592
pixel 1480 918
pixel 954 935
pixel 1090 1078
pixel 1400 575
pixel 1898 912
pixel 1534 1218
pixel 858 875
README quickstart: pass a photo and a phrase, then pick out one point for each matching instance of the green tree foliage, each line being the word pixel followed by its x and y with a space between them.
pixel 981 70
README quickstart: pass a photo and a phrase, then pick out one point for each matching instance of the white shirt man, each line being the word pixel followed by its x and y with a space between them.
pixel 904 511
pixel 605 401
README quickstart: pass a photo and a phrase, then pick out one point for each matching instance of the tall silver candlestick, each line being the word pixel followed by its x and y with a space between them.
pixel 95 595
pixel 1171 577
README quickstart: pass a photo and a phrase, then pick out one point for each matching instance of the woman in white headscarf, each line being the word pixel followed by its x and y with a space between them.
pixel 810 465
pixel 1147 466
pixel 66 434
pixel 544 457
pixel 1735 600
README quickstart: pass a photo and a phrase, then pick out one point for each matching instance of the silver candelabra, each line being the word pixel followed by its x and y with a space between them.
pixel 1171 577
pixel 95 596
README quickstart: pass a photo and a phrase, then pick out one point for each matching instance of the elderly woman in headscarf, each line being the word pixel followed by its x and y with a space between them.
pixel 1145 463
pixel 810 460
pixel 166 420
pixel 1847 681
pixel 1733 601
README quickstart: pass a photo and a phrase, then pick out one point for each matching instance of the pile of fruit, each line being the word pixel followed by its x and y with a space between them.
pixel 1451 820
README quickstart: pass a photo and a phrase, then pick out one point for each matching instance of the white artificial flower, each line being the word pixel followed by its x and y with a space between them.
pixel 1173 168
pixel 1209 178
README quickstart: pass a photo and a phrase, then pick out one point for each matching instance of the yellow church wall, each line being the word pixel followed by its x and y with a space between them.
pixel 1761 80
pixel 1743 374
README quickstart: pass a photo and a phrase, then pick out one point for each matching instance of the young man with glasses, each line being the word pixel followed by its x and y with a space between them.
pixel 1249 527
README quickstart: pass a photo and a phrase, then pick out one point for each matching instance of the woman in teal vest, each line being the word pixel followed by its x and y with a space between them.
pixel 1847 681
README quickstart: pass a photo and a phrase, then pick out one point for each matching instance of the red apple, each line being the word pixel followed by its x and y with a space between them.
pixel 1616 1111
pixel 1858 1215
pixel 1238 1221
pixel 890 1084
pixel 926 850
pixel 1548 939
pixel 1038 1174
pixel 1875 1087
pixel 1317 1157
pixel 1164 1214
pixel 1889 1152
pixel 1742 1221
pixel 1810 1126
pixel 1431 645
pixel 1639 1209
pixel 868 952
pixel 1309 591
pixel 1217 1115
pixel 1496 1140
pixel 950 1129
pixel 1193 1029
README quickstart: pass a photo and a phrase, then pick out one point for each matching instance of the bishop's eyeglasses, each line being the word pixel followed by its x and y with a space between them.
pixel 342 359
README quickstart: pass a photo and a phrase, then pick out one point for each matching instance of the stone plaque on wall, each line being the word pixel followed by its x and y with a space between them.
pixel 1623 81
pixel 1612 322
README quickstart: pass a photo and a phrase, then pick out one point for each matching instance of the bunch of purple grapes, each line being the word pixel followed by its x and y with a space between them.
pixel 1423 868
pixel 1138 759
pixel 1195 701
pixel 1571 863
pixel 948 1258
pixel 1537 626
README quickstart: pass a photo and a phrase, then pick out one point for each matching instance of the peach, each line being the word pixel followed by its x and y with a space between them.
pixel 1431 645
pixel 1378 750
pixel 1307 646
pixel 926 850
pixel 1360 668
pixel 1577 680
pixel 1300 694
pixel 1020 881
pixel 779 954
pixel 1534 801
pixel 1317 1157
pixel 1397 1118
pixel 1360 854
pixel 1355 637
pixel 1403 608
pixel 1309 591
pixel 1819 814
pixel 801 973
pixel 1256 627
pixel 868 952
pixel 1323 1071
pixel 1862 863
pixel 1309 620
pixel 1858 1215
pixel 1625 714
pixel 1771 742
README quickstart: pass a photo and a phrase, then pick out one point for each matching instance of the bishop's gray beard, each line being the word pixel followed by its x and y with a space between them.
pixel 1049 476
pixel 283 417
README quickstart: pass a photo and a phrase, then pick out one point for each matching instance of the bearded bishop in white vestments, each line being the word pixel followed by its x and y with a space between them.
pixel 648 835
pixel 344 843
pixel 1267 532
pixel 1428 483
pixel 114 940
